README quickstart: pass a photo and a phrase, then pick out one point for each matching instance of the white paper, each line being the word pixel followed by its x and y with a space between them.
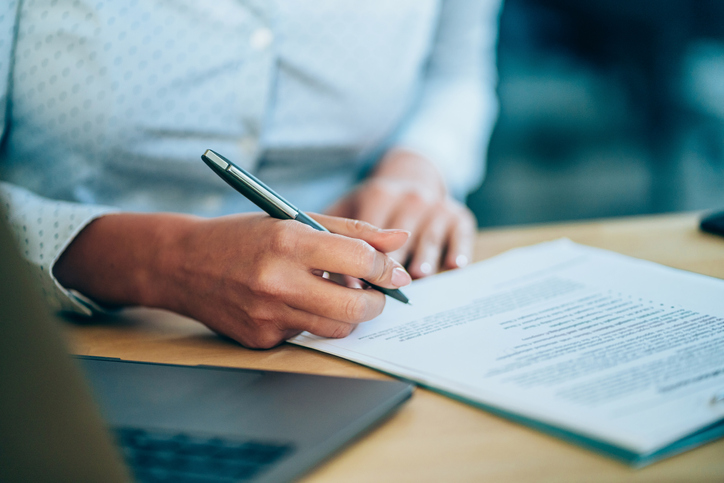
pixel 606 346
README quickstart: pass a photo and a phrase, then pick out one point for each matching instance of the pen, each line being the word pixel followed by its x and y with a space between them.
pixel 266 199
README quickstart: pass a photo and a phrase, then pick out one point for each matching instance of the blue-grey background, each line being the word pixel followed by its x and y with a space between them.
pixel 608 108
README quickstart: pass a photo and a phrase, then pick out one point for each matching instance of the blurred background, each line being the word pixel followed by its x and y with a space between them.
pixel 608 108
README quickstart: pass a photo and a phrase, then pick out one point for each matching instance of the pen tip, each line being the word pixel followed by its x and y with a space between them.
pixel 409 303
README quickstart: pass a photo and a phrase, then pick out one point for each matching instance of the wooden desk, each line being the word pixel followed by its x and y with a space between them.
pixel 433 438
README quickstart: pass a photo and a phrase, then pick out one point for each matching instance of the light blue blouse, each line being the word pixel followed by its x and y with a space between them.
pixel 110 103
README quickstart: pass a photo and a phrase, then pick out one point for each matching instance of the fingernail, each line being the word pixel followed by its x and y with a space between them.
pixel 400 277
pixel 461 261
pixel 426 268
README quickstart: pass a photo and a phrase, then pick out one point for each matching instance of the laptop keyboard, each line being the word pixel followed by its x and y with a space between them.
pixel 157 456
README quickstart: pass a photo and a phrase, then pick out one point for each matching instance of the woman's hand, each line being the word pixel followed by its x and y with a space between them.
pixel 250 277
pixel 406 192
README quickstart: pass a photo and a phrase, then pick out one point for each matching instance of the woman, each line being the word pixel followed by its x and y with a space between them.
pixel 374 111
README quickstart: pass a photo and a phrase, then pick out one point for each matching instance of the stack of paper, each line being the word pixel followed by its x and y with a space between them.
pixel 618 354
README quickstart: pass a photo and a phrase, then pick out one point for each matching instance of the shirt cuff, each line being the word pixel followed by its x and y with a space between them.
pixel 43 229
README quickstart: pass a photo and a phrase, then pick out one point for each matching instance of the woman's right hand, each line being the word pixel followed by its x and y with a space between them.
pixel 250 277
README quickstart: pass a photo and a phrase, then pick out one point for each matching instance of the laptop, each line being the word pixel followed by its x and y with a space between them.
pixel 96 419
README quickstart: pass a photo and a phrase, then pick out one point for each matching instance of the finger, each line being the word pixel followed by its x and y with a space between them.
pixel 312 250
pixel 460 242
pixel 382 240
pixel 408 217
pixel 354 258
pixel 284 322
pixel 300 320
pixel 426 255
pixel 324 327
pixel 328 299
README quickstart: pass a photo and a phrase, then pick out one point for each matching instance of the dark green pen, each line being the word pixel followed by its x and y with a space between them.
pixel 266 199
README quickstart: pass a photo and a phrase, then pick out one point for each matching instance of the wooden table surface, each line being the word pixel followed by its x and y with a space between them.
pixel 434 438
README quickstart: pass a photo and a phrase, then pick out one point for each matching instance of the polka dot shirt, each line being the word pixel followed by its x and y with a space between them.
pixel 108 104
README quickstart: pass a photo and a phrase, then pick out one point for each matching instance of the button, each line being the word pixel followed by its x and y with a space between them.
pixel 261 38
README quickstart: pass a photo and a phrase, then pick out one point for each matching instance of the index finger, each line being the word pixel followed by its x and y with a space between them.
pixel 350 256
pixel 460 242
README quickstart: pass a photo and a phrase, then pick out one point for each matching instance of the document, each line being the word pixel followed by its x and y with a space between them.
pixel 618 354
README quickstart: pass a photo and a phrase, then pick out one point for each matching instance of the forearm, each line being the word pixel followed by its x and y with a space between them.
pixel 124 259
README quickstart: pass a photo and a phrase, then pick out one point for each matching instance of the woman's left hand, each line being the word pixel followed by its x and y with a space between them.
pixel 407 192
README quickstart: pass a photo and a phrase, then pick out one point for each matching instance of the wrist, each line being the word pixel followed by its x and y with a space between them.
pixel 161 269
pixel 124 259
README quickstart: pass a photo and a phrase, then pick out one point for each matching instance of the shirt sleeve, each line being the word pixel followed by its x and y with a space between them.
pixel 8 18
pixel 454 115
pixel 42 228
